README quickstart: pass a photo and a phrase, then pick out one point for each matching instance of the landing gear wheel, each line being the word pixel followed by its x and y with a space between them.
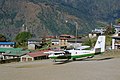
pixel 90 56
pixel 74 59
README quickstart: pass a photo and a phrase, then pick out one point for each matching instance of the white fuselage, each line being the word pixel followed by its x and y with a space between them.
pixel 80 52
pixel 73 54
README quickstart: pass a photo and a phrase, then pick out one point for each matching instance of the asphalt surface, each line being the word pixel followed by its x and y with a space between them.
pixel 104 68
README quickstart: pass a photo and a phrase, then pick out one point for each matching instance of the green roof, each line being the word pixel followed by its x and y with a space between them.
pixel 10 49
pixel 18 53
pixel 14 51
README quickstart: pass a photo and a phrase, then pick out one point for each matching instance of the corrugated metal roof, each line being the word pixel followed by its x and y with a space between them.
pixel 35 39
pixel 116 37
pixel 67 36
pixel 116 26
pixel 17 53
pixel 37 54
pixel 7 43
pixel 10 49
pixel 14 51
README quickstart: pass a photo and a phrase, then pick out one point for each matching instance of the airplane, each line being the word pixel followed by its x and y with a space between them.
pixel 76 53
pixel 82 47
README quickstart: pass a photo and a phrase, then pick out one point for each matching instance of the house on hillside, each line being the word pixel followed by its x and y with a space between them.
pixel 66 36
pixel 117 28
pixel 65 41
pixel 33 43
pixel 96 32
pixel 55 44
pixel 116 37
pixel 75 42
pixel 116 41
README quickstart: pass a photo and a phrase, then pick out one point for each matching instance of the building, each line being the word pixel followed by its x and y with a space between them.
pixel 63 40
pixel 97 32
pixel 55 44
pixel 63 43
pixel 55 41
pixel 7 44
pixel 75 42
pixel 117 28
pixel 66 36
pixel 12 53
pixel 100 30
pixel 116 37
pixel 116 41
pixel 66 41
pixel 34 43
pixel 93 35
pixel 60 43
pixel 34 56
pixel 15 53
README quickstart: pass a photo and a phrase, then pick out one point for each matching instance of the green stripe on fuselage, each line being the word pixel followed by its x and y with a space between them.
pixel 75 56
pixel 61 57
pixel 80 56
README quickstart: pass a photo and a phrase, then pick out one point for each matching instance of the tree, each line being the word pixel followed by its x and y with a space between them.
pixel 118 21
pixel 22 38
pixel 108 40
pixel 90 42
pixel 2 38
pixel 109 30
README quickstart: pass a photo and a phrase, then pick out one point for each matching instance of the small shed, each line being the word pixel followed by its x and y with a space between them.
pixel 39 55
pixel 26 58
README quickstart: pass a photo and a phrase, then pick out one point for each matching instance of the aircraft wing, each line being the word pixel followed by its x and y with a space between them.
pixel 82 47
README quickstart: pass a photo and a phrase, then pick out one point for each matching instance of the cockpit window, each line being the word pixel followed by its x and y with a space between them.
pixel 58 53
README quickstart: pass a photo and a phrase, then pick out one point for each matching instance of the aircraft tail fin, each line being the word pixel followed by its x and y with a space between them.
pixel 100 44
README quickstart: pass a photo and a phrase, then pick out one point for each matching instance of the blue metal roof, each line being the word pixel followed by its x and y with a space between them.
pixel 116 26
pixel 7 43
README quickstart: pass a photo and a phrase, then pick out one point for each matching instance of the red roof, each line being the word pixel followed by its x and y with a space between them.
pixel 37 54
pixel 50 37
pixel 67 36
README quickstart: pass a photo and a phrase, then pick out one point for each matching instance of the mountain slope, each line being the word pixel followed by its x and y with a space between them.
pixel 48 17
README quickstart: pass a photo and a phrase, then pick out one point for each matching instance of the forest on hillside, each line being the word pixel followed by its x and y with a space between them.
pixel 48 17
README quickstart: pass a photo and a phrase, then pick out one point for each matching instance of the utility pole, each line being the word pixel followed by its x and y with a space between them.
pixel 76 25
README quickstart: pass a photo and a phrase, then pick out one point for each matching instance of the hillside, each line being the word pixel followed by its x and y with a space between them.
pixel 48 17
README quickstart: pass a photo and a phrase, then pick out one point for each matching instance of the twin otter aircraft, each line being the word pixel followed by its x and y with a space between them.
pixel 73 54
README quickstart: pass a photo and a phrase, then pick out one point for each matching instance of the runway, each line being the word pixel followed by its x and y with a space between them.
pixel 94 69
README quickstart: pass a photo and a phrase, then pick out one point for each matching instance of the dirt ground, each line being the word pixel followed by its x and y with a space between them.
pixel 101 67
